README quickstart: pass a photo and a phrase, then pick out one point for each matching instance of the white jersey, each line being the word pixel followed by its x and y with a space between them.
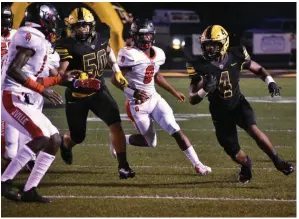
pixel 143 68
pixel 5 42
pixel 31 38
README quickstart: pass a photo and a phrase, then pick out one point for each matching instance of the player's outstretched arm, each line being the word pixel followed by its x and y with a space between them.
pixel 260 71
pixel 162 82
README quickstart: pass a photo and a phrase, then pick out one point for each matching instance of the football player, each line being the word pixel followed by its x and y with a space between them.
pixel 140 65
pixel 216 74
pixel 90 52
pixel 9 135
pixel 27 58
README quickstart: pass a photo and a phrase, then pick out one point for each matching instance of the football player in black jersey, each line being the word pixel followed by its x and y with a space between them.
pixel 216 74
pixel 90 52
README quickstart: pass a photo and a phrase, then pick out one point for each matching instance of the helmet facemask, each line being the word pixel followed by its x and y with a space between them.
pixel 212 48
pixel 144 41
pixel 82 31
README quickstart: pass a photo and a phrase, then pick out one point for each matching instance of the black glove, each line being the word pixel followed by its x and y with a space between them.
pixel 209 83
pixel 274 90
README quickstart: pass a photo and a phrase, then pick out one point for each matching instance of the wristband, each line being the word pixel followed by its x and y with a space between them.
pixel 269 79
pixel 129 91
pixel 33 85
pixel 202 93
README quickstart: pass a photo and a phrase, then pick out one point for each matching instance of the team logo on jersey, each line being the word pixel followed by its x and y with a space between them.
pixel 136 108
pixel 28 37
pixel 93 46
pixel 221 66
pixel 122 59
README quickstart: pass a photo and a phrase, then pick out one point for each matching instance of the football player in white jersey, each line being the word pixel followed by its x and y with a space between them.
pixel 27 58
pixel 9 135
pixel 140 65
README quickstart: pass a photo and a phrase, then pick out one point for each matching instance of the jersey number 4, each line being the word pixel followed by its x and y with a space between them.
pixel 224 86
pixel 94 63
pixel 149 72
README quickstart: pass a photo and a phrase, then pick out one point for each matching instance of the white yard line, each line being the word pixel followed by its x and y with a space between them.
pixel 168 167
pixel 191 130
pixel 171 197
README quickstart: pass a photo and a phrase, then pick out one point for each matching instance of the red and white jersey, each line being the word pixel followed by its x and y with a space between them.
pixel 5 42
pixel 31 38
pixel 144 68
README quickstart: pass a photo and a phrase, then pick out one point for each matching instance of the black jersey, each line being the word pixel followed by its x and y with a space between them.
pixel 227 73
pixel 90 57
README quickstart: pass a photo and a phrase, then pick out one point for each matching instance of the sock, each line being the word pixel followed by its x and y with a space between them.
pixel 122 159
pixel 127 139
pixel 192 156
pixel 42 164
pixel 275 158
pixel 24 155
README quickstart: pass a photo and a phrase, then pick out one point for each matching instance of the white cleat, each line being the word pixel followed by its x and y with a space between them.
pixel 202 170
pixel 112 150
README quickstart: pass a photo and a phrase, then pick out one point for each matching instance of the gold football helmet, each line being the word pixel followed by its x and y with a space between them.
pixel 81 17
pixel 214 41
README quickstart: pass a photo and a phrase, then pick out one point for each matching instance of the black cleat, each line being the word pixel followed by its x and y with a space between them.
pixel 285 167
pixel 30 165
pixel 66 153
pixel 126 172
pixel 245 173
pixel 32 196
pixel 7 192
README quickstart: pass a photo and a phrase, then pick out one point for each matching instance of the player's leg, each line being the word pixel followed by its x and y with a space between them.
pixel 147 135
pixel 11 137
pixel 76 113
pixel 227 136
pixel 23 140
pixel 104 106
pixel 247 122
pixel 163 115
pixel 31 122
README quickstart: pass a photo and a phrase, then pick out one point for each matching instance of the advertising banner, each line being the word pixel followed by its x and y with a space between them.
pixel 272 43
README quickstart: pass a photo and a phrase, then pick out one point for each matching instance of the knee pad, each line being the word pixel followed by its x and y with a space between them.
pixel 78 138
pixel 169 124
pixel 11 149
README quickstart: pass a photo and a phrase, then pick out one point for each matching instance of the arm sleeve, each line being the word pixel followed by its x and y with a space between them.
pixel 63 51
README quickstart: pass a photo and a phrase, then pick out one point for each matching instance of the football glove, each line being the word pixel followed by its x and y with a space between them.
pixel 121 79
pixel 209 83
pixel 274 90
pixel 90 83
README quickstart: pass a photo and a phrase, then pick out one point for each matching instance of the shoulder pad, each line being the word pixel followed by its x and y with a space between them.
pixel 103 30
pixel 240 52
pixel 28 38
pixel 125 57
pixel 160 56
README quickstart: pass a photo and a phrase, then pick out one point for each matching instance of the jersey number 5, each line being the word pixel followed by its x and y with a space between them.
pixel 149 72
pixel 224 86
pixel 95 62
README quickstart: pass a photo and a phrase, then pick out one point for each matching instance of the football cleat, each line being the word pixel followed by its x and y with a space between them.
pixel 245 174
pixel 112 150
pixel 66 153
pixel 32 196
pixel 285 167
pixel 30 165
pixel 202 170
pixel 126 172
pixel 7 192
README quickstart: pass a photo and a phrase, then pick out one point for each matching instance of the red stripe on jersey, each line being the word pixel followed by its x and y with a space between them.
pixel 20 116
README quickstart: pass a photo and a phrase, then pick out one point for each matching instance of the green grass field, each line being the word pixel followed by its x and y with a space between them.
pixel 165 184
